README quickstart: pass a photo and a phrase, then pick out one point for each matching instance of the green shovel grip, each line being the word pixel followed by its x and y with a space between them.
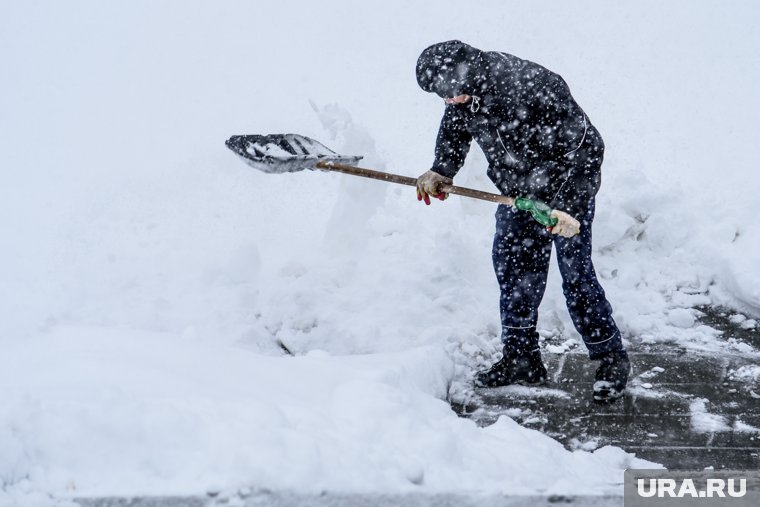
pixel 540 211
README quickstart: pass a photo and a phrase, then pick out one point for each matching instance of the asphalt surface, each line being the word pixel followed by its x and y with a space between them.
pixel 682 408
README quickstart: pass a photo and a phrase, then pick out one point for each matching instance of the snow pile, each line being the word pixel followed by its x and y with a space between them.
pixel 743 427
pixel 670 260
pixel 748 373
pixel 222 417
pixel 702 421
pixel 742 321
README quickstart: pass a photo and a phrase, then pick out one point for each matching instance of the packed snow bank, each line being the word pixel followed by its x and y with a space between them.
pixel 93 411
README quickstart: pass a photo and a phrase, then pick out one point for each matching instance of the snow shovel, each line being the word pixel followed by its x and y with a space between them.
pixel 281 153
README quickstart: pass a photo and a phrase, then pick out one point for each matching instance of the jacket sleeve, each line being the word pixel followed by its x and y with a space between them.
pixel 452 144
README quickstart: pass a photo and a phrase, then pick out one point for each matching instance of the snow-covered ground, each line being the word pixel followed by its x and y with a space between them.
pixel 151 281
pixel 118 412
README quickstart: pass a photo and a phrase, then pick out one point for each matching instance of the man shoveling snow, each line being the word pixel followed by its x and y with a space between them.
pixel 539 144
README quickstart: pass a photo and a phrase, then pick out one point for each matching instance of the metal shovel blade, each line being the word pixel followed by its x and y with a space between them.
pixel 284 153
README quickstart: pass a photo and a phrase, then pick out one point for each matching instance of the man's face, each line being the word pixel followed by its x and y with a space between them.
pixel 459 99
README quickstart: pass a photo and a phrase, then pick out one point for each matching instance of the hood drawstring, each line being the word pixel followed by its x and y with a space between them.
pixel 475 104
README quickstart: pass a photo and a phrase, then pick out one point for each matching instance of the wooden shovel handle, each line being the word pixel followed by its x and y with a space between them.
pixel 406 180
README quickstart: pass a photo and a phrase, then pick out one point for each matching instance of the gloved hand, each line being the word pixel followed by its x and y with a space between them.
pixel 429 184
pixel 567 226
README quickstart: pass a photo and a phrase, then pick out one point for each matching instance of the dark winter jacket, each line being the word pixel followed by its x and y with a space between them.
pixel 538 141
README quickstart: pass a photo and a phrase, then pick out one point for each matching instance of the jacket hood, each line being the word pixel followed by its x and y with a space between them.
pixel 449 69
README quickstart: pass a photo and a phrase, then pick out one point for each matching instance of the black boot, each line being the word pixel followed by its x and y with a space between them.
pixel 513 368
pixel 612 376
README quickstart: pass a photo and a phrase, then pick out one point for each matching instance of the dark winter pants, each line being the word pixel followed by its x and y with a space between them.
pixel 521 253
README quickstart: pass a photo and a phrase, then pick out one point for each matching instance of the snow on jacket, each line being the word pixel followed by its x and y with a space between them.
pixel 538 141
